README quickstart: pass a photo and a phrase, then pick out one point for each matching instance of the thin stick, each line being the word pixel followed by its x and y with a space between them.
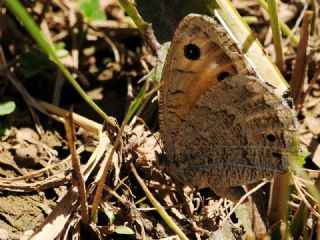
pixel 40 172
pixel 300 65
pixel 242 200
pixel 77 174
pixel 106 168
pixel 311 84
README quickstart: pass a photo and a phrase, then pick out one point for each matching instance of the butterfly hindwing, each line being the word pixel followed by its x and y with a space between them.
pixel 234 135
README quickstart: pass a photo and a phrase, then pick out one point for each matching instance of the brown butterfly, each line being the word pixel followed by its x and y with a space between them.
pixel 220 124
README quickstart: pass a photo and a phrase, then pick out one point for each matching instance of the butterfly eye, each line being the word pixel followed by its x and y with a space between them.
pixel 271 138
pixel 192 51
pixel 222 76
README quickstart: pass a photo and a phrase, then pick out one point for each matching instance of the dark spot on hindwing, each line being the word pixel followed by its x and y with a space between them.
pixel 271 138
pixel 300 116
pixel 277 155
pixel 192 52
pixel 244 153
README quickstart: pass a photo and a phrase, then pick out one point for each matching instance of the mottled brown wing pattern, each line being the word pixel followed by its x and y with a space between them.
pixel 219 123
pixel 237 132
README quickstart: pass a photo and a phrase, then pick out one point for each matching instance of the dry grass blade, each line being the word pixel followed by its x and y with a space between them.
pixel 251 46
pixel 298 75
pixel 55 222
pixel 106 167
pixel 303 197
pixel 40 172
pixel 79 120
pixel 77 174
pixel 56 181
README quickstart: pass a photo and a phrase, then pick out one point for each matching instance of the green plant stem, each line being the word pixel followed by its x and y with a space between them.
pixel 135 16
pixel 277 41
pixel 165 216
pixel 144 27
pixel 19 11
pixel 283 27
pixel 298 220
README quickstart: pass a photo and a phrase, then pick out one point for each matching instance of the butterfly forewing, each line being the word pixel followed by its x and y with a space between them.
pixel 200 55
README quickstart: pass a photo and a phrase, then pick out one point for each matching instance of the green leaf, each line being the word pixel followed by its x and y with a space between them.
pixel 91 10
pixel 7 107
pixel 301 158
pixel 296 155
pixel 243 215
pixel 61 51
pixel 123 230
pixel 4 131
pixel 32 64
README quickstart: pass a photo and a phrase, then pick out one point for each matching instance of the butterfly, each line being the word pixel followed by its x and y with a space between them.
pixel 221 125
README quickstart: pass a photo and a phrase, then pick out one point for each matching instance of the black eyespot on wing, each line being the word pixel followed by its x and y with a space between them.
pixel 192 51
pixel 271 138
pixel 222 76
